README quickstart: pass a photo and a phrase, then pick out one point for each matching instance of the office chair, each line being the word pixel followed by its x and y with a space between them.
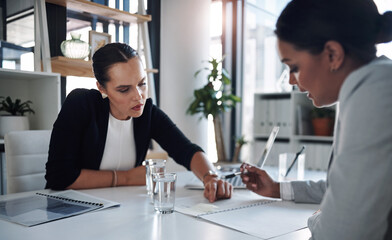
pixel 26 153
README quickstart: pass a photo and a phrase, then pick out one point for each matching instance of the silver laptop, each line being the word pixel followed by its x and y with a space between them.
pixel 237 181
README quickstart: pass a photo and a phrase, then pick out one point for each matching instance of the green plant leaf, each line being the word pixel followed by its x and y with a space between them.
pixel 15 108
pixel 205 99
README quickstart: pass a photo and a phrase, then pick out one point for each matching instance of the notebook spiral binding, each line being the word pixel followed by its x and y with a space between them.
pixel 70 199
pixel 238 208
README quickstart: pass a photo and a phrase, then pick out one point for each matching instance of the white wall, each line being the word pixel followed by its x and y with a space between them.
pixel 184 45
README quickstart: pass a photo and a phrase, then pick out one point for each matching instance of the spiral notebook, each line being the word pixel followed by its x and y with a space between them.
pixel 38 208
pixel 250 213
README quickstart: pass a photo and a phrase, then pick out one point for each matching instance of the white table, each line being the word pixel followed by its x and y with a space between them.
pixel 134 219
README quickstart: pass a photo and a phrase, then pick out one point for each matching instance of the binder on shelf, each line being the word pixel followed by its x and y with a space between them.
pixel 271 115
pixel 283 109
pixel 303 120
pixel 38 208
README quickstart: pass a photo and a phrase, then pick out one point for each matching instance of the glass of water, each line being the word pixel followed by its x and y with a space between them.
pixel 164 190
pixel 297 170
pixel 153 166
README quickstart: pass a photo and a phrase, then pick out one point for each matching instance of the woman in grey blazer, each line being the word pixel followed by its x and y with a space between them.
pixel 329 46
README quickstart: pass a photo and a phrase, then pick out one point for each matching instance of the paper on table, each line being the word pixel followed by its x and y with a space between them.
pixel 198 205
pixel 249 215
pixel 281 217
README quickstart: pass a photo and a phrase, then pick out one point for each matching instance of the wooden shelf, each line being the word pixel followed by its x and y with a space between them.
pixel 76 67
pixel 72 67
pixel 102 10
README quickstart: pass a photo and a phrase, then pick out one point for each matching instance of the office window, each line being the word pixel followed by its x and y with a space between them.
pixel 385 48
pixel 17 50
pixel 261 64
pixel 215 52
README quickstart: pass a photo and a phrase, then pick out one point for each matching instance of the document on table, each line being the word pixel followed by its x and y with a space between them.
pixel 38 208
pixel 263 217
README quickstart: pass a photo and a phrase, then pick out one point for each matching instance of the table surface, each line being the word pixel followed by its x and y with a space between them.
pixel 134 219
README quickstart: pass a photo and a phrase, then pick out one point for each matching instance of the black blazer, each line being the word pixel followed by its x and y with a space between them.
pixel 79 135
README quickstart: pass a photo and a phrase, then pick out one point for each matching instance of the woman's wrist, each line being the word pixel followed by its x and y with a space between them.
pixel 115 179
pixel 209 175
pixel 276 190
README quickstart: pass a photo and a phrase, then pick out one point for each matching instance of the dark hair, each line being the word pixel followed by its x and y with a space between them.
pixel 108 55
pixel 356 24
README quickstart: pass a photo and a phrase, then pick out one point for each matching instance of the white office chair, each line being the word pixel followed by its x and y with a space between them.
pixel 26 153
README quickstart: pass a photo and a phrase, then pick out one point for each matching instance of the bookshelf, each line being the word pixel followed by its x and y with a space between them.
pixel 42 88
pixel 81 68
pixel 101 10
pixel 281 109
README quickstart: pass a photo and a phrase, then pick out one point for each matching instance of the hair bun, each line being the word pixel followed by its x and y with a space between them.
pixel 385 32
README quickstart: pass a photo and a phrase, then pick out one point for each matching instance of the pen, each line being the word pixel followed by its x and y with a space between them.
pixel 231 175
pixel 295 159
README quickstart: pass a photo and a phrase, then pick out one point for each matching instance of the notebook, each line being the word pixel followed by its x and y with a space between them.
pixel 38 208
pixel 236 181
pixel 250 213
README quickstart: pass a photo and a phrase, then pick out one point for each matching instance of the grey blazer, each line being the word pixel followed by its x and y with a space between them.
pixel 357 203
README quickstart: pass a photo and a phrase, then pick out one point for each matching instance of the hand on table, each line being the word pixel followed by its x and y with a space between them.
pixel 136 176
pixel 215 189
pixel 258 181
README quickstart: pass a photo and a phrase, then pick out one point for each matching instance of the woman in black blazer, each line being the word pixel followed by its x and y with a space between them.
pixel 101 138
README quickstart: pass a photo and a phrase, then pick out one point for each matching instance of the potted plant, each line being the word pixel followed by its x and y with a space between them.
pixel 239 142
pixel 323 121
pixel 15 119
pixel 213 99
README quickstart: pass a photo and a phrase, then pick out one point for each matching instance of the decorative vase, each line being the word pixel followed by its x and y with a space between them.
pixel 75 48
pixel 13 123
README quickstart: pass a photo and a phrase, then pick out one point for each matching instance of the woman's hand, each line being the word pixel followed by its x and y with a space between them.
pixel 215 188
pixel 258 181
pixel 134 176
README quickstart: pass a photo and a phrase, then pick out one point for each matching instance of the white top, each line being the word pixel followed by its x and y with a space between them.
pixel 120 148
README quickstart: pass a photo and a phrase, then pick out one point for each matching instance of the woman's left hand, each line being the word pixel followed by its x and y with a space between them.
pixel 215 189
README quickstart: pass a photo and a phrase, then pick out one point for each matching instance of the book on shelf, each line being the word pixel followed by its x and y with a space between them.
pixel 303 120
pixel 250 213
pixel 38 208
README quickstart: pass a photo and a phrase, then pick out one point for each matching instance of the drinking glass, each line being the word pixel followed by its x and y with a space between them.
pixel 164 190
pixel 297 171
pixel 153 166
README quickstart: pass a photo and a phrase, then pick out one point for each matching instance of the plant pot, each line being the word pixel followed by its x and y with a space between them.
pixel 13 123
pixel 323 126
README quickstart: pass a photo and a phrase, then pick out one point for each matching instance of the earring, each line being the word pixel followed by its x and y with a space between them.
pixel 104 95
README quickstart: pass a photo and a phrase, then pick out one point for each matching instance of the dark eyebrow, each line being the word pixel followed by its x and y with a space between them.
pixel 122 86
pixel 284 60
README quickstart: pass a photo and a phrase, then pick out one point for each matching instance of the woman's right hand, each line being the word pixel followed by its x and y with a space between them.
pixel 258 181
